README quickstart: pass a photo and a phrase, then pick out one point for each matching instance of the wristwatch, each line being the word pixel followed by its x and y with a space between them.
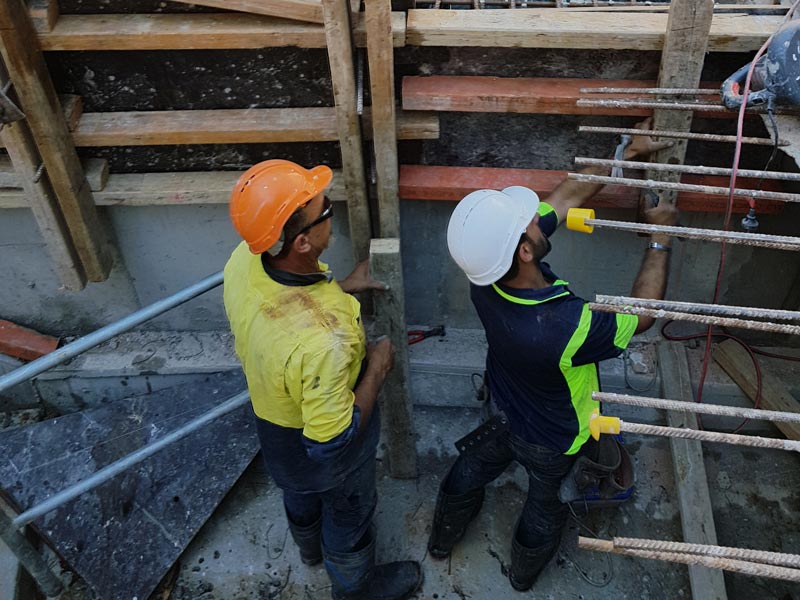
pixel 657 246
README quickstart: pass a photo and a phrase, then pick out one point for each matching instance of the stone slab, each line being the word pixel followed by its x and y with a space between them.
pixel 122 537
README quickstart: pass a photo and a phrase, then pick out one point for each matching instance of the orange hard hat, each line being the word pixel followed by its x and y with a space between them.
pixel 266 196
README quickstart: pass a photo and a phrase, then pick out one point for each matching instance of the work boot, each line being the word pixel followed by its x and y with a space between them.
pixel 527 563
pixel 450 519
pixel 354 575
pixel 308 541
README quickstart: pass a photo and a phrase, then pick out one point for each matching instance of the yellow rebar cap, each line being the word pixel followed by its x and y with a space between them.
pixel 599 424
pixel 576 219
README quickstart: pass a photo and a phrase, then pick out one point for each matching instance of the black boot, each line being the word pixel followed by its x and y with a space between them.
pixel 354 575
pixel 308 541
pixel 527 563
pixel 450 519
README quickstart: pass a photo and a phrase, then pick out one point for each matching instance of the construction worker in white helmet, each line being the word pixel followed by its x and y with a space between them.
pixel 541 367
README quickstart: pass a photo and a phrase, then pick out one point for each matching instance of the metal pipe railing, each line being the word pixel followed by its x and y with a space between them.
pixel 124 463
pixel 40 365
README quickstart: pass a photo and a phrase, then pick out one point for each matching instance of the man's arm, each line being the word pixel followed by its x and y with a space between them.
pixel 573 194
pixel 651 282
pixel 360 281
pixel 380 358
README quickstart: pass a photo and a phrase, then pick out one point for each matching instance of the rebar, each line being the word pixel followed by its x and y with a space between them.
pixel 686 135
pixel 712 108
pixel 742 238
pixel 736 439
pixel 697 407
pixel 693 169
pixel 724 310
pixel 126 462
pixel 651 91
pixel 693 318
pixel 40 365
pixel 725 564
pixel 685 187
pixel 760 556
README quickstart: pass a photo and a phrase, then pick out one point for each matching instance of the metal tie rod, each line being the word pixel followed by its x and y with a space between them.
pixel 693 169
pixel 695 407
pixel 724 310
pixel 742 238
pixel 652 91
pixel 684 135
pixel 651 104
pixel 131 459
pixel 694 318
pixel 79 346
pixel 684 187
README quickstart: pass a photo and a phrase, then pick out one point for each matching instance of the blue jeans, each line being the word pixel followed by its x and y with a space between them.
pixel 543 515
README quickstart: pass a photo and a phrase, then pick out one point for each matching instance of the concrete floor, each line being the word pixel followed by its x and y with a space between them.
pixel 245 552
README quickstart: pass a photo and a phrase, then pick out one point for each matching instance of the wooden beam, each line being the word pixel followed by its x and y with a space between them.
pixel 168 189
pixel 384 127
pixel 230 126
pixel 418 182
pixel 548 28
pixel 396 410
pixel 38 99
pixel 682 62
pixel 774 394
pixel 44 14
pixel 697 518
pixel 96 170
pixel 72 107
pixel 340 57
pixel 196 32
pixel 540 95
pixel 37 195
pixel 297 10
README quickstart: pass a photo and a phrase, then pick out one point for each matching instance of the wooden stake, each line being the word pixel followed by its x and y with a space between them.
pixel 28 71
pixel 381 77
pixel 340 57
pixel 386 265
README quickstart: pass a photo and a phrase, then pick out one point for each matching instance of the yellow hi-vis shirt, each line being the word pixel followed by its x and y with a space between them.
pixel 301 347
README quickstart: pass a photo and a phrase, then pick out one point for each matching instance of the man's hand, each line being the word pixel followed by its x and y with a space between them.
pixel 360 281
pixel 380 356
pixel 663 214
pixel 642 146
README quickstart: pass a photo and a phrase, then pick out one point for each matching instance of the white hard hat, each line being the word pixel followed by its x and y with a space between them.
pixel 485 228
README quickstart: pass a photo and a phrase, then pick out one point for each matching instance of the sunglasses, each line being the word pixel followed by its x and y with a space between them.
pixel 327 213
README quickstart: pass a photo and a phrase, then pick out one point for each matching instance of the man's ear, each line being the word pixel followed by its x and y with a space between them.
pixel 525 252
pixel 300 244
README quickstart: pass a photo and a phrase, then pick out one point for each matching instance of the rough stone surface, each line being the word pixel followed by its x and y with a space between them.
pixel 123 536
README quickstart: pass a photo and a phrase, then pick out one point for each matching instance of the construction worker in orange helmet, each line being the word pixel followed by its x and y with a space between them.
pixel 312 378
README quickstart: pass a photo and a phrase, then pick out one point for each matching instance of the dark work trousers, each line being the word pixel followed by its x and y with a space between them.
pixel 346 509
pixel 543 515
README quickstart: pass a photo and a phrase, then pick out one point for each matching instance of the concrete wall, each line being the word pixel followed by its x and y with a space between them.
pixel 163 249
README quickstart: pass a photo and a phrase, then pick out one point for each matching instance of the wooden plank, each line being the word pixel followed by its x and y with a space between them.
pixel 774 395
pixel 547 28
pixel 196 32
pixel 298 10
pixel 168 189
pixel 38 99
pixel 540 95
pixel 96 170
pixel 26 344
pixel 348 125
pixel 44 14
pixel 72 107
pixel 386 265
pixel 384 127
pixel 419 182
pixel 39 197
pixel 230 126
pixel 682 62
pixel 697 519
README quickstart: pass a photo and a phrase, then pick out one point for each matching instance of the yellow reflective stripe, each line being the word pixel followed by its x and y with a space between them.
pixel 626 327
pixel 525 301
pixel 582 380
